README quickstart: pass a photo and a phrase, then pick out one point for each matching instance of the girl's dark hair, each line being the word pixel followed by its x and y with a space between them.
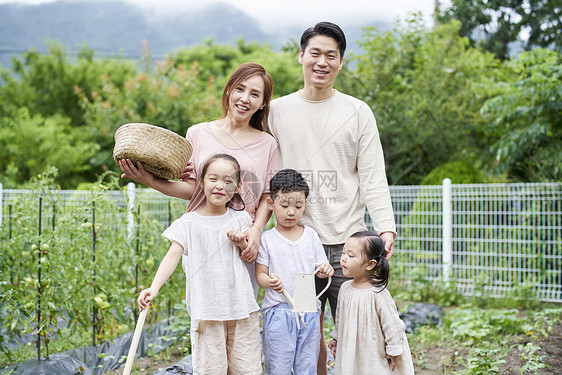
pixel 236 201
pixel 328 29
pixel 240 74
pixel 373 249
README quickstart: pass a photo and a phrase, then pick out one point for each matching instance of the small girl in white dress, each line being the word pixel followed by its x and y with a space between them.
pixel 368 335
pixel 219 294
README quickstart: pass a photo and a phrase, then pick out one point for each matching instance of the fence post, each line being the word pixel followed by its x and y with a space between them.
pixel 1 203
pixel 94 310
pixel 447 230
pixel 131 191
pixel 39 290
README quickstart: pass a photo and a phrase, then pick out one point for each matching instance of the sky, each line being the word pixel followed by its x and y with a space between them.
pixel 278 14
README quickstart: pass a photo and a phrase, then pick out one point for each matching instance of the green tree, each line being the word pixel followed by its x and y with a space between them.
pixel 459 171
pixel 215 62
pixel 44 83
pixel 523 117
pixel 495 24
pixel 183 90
pixel 30 144
pixel 422 85
pixel 283 67
pixel 211 61
pixel 96 96
pixel 170 97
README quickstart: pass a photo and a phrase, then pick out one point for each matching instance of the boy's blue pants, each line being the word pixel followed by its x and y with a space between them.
pixel 287 347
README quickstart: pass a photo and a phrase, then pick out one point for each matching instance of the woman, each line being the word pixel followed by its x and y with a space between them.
pixel 240 133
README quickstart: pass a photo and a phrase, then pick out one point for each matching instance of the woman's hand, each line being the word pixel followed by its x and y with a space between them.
pixel 187 172
pixel 253 237
pixel 136 173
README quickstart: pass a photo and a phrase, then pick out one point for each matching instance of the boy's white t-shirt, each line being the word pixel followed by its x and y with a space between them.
pixel 285 258
pixel 218 285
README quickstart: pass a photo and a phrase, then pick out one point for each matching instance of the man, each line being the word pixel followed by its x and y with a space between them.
pixel 333 140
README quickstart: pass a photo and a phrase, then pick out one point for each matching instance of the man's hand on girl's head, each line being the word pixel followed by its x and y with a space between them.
pixel 388 239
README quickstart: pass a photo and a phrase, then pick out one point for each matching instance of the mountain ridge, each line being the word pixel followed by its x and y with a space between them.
pixel 114 26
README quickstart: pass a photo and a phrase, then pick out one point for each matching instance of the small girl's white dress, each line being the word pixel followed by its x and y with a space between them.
pixel 367 328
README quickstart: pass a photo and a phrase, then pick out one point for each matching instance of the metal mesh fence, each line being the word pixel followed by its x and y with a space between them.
pixel 151 203
pixel 503 236
pixel 508 236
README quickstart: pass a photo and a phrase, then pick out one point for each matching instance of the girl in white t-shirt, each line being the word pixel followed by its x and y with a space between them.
pixel 219 294
pixel 368 336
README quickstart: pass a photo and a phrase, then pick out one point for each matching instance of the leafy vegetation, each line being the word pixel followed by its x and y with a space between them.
pixel 421 85
pixel 437 100
pixel 522 117
pixel 478 334
pixel 71 269
pixel 495 25
pixel 458 171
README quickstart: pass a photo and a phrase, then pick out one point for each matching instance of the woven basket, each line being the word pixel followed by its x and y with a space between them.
pixel 162 152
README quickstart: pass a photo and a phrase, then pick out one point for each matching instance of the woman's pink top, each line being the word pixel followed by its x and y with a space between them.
pixel 257 159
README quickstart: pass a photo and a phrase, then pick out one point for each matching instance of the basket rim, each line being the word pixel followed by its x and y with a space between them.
pixel 162 152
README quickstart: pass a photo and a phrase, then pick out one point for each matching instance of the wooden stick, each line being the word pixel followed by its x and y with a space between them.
pixel 135 342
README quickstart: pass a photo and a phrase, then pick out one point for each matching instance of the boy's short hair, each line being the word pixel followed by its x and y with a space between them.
pixel 287 181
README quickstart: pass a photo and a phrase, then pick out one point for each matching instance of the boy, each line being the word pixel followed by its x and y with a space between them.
pixel 289 248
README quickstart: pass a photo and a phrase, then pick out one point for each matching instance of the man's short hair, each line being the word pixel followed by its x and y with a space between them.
pixel 288 181
pixel 328 29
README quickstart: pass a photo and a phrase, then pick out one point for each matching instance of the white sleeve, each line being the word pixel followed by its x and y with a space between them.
pixel 391 324
pixel 263 254
pixel 178 231
pixel 373 183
